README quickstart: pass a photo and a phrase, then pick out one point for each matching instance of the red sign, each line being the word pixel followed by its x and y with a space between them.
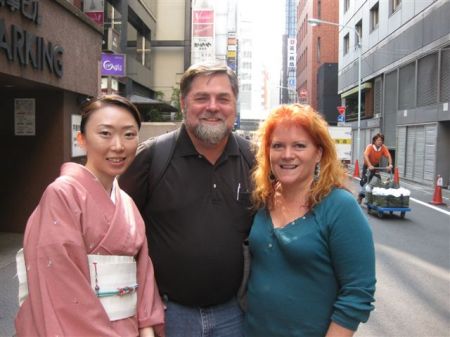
pixel 341 109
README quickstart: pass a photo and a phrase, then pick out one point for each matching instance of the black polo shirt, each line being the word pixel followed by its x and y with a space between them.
pixel 197 218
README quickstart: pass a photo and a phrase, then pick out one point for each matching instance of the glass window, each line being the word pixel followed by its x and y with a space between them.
pixel 138 45
pixel 394 5
pixel 374 18
pixel 113 18
pixel 358 35
pixel 346 5
pixel 318 50
pixel 346 43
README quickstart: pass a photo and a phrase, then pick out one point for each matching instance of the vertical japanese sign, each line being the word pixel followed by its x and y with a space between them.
pixel 232 51
pixel 24 117
pixel 95 10
pixel 291 63
pixel 203 49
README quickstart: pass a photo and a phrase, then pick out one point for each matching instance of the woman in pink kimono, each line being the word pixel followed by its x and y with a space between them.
pixel 86 254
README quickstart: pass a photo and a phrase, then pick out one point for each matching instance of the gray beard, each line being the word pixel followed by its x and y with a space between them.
pixel 211 134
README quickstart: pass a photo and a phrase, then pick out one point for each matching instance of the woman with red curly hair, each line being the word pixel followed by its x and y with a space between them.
pixel 313 261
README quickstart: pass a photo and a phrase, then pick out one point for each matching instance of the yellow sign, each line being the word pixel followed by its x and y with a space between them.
pixel 343 141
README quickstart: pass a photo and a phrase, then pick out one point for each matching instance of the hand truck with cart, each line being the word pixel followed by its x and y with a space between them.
pixel 384 196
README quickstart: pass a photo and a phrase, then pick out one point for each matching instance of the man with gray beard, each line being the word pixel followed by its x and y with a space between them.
pixel 198 213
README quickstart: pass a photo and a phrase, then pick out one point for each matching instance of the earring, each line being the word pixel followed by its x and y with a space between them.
pixel 317 172
pixel 272 177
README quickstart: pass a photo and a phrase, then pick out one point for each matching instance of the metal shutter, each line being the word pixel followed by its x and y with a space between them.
pixel 430 152
pixel 419 154
pixel 410 149
pixel 401 150
pixel 427 83
pixel 390 109
pixel 406 97
pixel 445 75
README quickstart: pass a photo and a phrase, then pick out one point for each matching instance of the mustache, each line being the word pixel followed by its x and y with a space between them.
pixel 208 114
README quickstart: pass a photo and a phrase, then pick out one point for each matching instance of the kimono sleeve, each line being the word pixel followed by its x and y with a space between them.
pixel 353 258
pixel 60 301
pixel 150 309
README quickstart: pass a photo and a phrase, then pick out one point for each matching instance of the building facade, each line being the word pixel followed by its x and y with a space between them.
pixel 153 36
pixel 49 63
pixel 405 81
pixel 317 57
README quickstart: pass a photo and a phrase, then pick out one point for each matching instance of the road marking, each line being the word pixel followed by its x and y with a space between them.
pixel 430 206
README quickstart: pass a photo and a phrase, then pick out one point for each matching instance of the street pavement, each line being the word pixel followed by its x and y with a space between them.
pixel 10 243
pixel 413 273
pixel 413 269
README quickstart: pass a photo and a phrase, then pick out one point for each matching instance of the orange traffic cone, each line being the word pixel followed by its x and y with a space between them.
pixel 356 172
pixel 396 177
pixel 437 197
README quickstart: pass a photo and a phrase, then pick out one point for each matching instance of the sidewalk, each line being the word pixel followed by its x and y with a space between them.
pixel 10 243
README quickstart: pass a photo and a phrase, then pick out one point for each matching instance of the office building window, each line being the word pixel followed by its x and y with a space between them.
pixel 138 45
pixel 358 29
pixel 318 50
pixel 394 5
pixel 374 17
pixel 346 43
pixel 346 5
pixel 113 18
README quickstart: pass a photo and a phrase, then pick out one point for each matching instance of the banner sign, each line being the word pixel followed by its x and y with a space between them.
pixel 291 63
pixel 232 51
pixel 113 64
pixel 95 10
pixel 203 49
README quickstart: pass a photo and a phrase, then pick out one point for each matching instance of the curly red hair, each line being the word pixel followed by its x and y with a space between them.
pixel 332 173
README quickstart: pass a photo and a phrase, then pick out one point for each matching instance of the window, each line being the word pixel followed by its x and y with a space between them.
pixel 394 5
pixel 318 50
pixel 358 29
pixel 346 43
pixel 113 18
pixel 319 9
pixel 138 45
pixel 374 18
pixel 346 5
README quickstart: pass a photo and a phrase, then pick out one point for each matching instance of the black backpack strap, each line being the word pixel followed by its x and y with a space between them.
pixel 246 148
pixel 161 152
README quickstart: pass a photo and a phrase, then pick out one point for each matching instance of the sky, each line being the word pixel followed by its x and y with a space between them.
pixel 267 17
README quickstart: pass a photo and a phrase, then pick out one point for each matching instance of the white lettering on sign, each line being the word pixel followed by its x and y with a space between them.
pixel 108 65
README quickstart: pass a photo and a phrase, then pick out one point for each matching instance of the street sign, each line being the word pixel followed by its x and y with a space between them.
pixel 341 110
pixel 341 118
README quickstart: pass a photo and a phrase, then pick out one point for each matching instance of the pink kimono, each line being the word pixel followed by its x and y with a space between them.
pixel 76 217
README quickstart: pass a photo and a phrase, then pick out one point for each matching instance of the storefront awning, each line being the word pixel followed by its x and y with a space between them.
pixel 365 85
pixel 153 103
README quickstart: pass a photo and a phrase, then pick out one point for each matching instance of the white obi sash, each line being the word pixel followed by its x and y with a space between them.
pixel 113 279
pixel 22 276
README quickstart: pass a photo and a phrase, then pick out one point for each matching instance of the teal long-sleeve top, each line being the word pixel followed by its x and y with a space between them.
pixel 317 269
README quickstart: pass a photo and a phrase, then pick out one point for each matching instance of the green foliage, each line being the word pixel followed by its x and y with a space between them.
pixel 175 101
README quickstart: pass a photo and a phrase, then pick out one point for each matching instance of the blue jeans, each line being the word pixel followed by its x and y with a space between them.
pixel 223 320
